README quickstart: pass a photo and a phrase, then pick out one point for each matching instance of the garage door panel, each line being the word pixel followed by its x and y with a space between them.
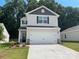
pixel 42 37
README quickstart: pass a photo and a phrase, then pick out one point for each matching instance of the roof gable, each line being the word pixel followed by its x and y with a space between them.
pixel 71 29
pixel 42 10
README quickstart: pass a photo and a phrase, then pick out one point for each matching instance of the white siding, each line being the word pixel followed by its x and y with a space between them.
pixel 23 19
pixel 70 36
pixel 5 33
pixel 32 20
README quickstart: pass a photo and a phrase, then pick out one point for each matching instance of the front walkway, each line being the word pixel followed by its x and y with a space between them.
pixel 51 52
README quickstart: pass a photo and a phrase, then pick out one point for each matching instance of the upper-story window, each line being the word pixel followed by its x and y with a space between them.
pixel 24 22
pixel 42 19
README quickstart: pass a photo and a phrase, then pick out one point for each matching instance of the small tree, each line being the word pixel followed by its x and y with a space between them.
pixel 1 33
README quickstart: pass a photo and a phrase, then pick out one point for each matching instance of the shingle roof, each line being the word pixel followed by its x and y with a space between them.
pixel 74 28
pixel 40 26
pixel 45 26
pixel 22 28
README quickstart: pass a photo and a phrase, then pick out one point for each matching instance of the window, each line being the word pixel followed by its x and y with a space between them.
pixel 24 22
pixel 41 19
pixel 65 36
pixel 42 10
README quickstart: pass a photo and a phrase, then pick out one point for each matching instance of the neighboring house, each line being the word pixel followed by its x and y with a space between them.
pixel 70 34
pixel 5 33
pixel 40 26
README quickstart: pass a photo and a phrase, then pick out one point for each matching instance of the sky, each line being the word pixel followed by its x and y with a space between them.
pixel 73 3
pixel 2 2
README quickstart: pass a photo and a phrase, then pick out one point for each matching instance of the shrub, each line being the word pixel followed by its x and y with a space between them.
pixel 3 45
pixel 12 43
pixel 8 44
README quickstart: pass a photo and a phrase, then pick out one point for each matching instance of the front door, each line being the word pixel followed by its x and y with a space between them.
pixel 23 36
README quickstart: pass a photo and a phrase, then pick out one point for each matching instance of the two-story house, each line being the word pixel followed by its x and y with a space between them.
pixel 40 26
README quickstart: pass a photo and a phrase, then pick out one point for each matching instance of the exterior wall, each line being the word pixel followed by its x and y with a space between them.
pixel 32 20
pixel 5 33
pixel 25 19
pixel 70 36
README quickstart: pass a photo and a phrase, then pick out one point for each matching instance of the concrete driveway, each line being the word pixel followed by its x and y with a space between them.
pixel 51 52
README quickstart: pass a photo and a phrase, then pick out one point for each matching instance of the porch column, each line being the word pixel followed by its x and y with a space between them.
pixel 27 35
pixel 19 36
pixel 59 38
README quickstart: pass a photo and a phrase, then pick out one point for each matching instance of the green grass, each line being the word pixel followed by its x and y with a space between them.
pixel 13 53
pixel 72 45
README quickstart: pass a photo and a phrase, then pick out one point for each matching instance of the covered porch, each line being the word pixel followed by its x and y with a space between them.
pixel 22 35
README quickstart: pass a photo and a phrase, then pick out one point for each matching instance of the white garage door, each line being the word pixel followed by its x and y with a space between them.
pixel 43 37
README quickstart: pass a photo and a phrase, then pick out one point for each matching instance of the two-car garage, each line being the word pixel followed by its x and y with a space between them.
pixel 42 36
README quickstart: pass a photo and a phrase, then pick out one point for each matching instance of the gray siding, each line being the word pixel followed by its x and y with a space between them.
pixel 38 12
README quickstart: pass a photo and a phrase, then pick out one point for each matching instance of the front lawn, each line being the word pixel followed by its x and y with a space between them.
pixel 13 53
pixel 72 45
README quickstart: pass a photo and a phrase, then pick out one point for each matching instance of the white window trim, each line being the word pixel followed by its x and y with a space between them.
pixel 42 19
pixel 22 23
